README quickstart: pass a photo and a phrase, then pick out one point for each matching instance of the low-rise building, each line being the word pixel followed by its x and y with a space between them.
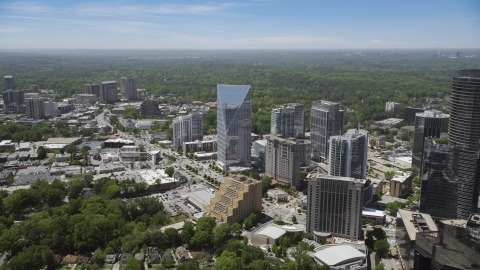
pixel 278 195
pixel 401 184
pixel 343 256
pixel 199 146
pixel 62 157
pixel 7 144
pixel 143 125
pixel 369 215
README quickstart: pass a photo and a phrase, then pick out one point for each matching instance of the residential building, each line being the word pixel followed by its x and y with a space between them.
pixel 93 89
pixel 335 205
pixel 128 86
pixel 326 121
pixel 392 106
pixel 283 158
pixel 260 147
pixel 401 184
pixel 238 197
pixel 187 128
pixel 150 107
pixel 433 124
pixel 288 121
pixel 199 146
pixel 348 154
pixel 35 108
pixel 8 83
pixel 108 91
pixel 234 117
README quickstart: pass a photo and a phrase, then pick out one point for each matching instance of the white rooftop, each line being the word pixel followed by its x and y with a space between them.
pixel 372 212
pixel 400 176
pixel 338 255
pixel 150 176
pixel 272 231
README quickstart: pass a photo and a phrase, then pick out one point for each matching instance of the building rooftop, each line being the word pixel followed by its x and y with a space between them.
pixel 416 222
pixel 277 191
pixel 372 212
pixel 339 255
pixel 109 82
pixel 272 231
pixel 401 176
pixel 432 114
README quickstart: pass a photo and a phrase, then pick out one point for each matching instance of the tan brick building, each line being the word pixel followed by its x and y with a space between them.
pixel 237 198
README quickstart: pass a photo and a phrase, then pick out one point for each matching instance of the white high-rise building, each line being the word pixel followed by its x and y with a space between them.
pixel 326 121
pixel 187 128
pixel 128 86
pixel 334 206
pixel 348 154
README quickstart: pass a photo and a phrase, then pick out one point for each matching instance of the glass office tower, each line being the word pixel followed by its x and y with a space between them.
pixel 234 117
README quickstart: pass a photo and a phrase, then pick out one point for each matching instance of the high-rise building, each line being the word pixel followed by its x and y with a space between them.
pixel 288 121
pixel 454 170
pixel 409 114
pixel 93 89
pixel 237 198
pixel 8 82
pixel 150 107
pixel 35 108
pixel 128 85
pixel 187 128
pixel 283 158
pixel 391 106
pixel 326 120
pixel 13 96
pixel 348 154
pixel 108 91
pixel 335 205
pixel 234 117
pixel 433 124
pixel 51 107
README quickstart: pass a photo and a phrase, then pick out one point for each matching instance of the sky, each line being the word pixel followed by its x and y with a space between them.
pixel 248 24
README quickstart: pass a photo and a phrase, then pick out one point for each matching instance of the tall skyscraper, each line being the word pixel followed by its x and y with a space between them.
pixel 8 82
pixel 455 168
pixel 129 87
pixel 433 124
pixel 108 91
pixel 348 154
pixel 234 117
pixel 13 96
pixel 93 89
pixel 326 120
pixel 187 128
pixel 35 108
pixel 288 121
pixel 335 205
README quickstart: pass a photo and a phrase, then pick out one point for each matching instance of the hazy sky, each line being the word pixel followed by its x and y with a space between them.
pixel 257 24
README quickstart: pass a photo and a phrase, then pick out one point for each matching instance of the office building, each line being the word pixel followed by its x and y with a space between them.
pixel 283 158
pixel 348 154
pixel 326 120
pixel 85 98
pixel 401 184
pixel 288 121
pixel 33 87
pixel 93 89
pixel 409 114
pixel 13 96
pixel 238 197
pixel 392 106
pixel 128 86
pixel 8 83
pixel 234 117
pixel 51 107
pixel 187 128
pixel 108 91
pixel 35 108
pixel 335 206
pixel 433 124
pixel 150 107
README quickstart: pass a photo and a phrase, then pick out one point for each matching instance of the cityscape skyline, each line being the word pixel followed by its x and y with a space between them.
pixel 257 24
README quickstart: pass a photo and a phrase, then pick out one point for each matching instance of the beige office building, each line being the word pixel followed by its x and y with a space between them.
pixel 237 198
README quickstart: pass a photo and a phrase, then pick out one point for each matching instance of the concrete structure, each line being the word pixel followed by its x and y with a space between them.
pixel 392 106
pixel 270 234
pixel 200 197
pixel 433 124
pixel 370 215
pixel 401 184
pixel 335 205
pixel 35 108
pixel 234 118
pixel 238 197
pixel 379 141
pixel 85 98
pixel 278 195
pixel 199 146
pixel 283 158
pixel 326 121
pixel 51 108
pixel 150 107
pixel 33 87
pixel 7 144
pixel 348 154
pixel 187 129
pixel 108 91
pixel 344 257
pixel 29 122
pixel 414 222
pixel 288 121
pixel 128 86
pixel 93 89
pixel 8 82
pixel 13 96
pixel 143 124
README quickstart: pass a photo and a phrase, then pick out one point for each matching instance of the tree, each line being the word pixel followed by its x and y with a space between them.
pixel 389 175
pixel 141 147
pixel 41 152
pixel 71 149
pixel 188 232
pixel 189 265
pixel 372 142
pixel 393 207
pixel 294 219
pixel 379 266
pixel 169 171
pixel 227 261
pixel 221 234
pixel 133 264
pixel 171 237
pixel 381 247
pixel 266 182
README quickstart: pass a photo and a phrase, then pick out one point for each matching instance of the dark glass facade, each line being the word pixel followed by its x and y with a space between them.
pixel 432 124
